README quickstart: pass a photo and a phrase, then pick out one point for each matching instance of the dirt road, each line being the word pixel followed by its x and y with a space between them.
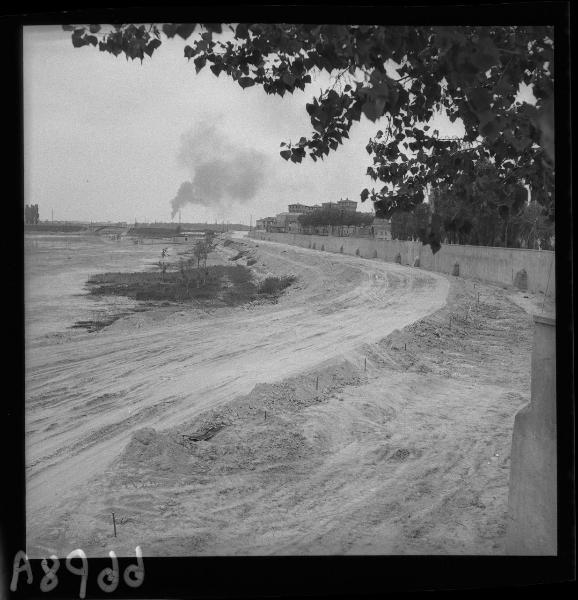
pixel 86 397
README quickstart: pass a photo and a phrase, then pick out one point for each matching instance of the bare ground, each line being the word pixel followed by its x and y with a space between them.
pixel 348 418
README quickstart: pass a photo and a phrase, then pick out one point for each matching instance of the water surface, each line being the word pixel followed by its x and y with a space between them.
pixel 56 270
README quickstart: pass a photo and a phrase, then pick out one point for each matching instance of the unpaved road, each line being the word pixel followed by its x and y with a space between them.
pixel 86 397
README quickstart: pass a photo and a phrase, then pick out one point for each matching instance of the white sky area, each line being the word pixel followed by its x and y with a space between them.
pixel 102 136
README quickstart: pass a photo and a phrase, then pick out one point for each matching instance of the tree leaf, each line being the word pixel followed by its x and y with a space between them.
pixel 480 99
pixel 246 82
pixel 213 27
pixel 242 31
pixel 170 29
pixel 369 109
pixel 78 41
pixel 185 30
pixel 152 46
pixel 199 62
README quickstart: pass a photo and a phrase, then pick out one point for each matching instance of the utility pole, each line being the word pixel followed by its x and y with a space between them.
pixel 52 212
pixel 251 224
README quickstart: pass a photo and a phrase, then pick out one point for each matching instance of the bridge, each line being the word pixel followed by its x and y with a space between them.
pixel 111 228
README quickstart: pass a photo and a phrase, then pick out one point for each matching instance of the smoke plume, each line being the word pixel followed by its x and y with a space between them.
pixel 221 173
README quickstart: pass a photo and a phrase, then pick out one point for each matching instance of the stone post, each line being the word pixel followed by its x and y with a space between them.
pixel 532 502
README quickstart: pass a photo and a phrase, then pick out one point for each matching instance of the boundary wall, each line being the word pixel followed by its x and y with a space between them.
pixel 533 270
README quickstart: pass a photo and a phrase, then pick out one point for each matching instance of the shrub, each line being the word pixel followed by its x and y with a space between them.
pixel 274 285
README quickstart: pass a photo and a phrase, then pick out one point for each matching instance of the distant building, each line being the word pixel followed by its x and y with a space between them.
pixel 287 221
pixel 347 205
pixel 302 208
pixel 341 205
pixel 298 208
pixel 266 223
pixel 31 216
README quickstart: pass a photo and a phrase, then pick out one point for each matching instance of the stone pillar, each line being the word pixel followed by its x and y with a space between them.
pixel 532 502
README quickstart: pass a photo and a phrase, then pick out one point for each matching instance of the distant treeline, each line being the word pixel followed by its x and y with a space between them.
pixel 477 225
pixel 324 217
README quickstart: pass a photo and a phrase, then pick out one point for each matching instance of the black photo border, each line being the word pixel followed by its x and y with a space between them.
pixel 290 576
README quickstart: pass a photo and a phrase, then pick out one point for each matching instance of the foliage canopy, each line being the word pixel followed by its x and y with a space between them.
pixel 405 74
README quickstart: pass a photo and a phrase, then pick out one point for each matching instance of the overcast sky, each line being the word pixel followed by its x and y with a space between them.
pixel 110 139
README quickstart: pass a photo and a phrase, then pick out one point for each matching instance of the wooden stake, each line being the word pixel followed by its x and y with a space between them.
pixel 114 524
pixel 317 383
pixel 365 368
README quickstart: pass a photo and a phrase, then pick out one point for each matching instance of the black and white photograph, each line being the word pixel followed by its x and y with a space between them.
pixel 289 289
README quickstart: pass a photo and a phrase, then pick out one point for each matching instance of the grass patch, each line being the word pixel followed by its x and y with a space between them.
pixel 216 285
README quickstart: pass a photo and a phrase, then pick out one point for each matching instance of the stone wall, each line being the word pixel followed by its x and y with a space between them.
pixel 534 269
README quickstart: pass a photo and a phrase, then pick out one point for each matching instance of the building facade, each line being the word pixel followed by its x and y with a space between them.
pixel 298 208
pixel 347 205
pixel 289 221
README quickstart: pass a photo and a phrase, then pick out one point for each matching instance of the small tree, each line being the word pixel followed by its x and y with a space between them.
pixel 198 252
pixel 163 268
pixel 201 253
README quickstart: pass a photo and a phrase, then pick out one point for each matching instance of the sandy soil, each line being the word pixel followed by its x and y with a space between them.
pixel 347 418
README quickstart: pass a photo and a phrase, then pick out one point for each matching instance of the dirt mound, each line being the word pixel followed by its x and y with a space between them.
pixel 237 449
pixel 256 432
pixel 150 449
